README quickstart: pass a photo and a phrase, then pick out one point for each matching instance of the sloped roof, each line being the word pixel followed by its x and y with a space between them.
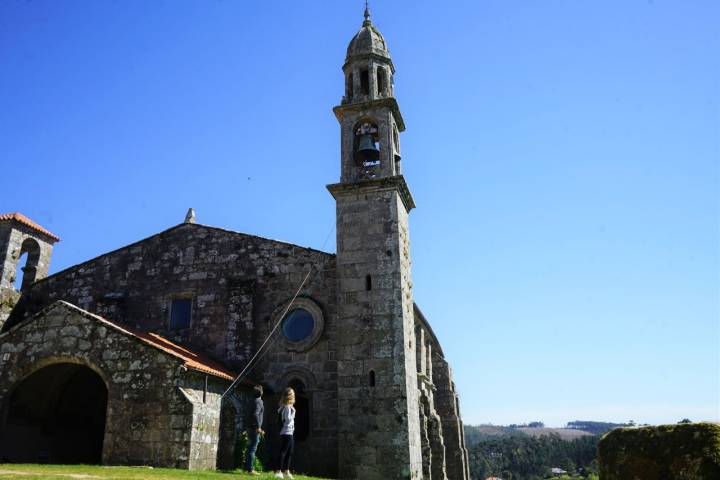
pixel 184 225
pixel 192 360
pixel 19 217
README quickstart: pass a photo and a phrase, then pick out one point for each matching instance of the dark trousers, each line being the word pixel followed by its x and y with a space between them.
pixel 253 441
pixel 287 445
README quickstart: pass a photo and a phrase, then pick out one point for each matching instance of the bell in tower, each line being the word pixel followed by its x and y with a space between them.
pixel 369 115
pixel 367 146
pixel 367 153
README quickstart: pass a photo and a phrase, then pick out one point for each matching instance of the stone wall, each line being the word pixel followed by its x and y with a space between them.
pixel 13 238
pixel 236 406
pixel 8 299
pixel 678 452
pixel 378 416
pixel 205 420
pixel 233 280
pixel 155 409
pixel 239 285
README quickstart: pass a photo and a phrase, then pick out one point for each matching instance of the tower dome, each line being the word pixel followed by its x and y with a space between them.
pixel 367 41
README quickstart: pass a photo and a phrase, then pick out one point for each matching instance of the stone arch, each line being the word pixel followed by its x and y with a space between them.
pixel 56 412
pixel 303 382
pixel 31 248
pixel 26 371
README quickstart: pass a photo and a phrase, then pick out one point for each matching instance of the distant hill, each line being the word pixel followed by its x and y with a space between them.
pixel 564 433
pixel 596 428
pixel 528 453
pixel 479 433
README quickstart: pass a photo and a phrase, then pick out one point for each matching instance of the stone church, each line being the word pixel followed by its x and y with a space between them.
pixel 124 359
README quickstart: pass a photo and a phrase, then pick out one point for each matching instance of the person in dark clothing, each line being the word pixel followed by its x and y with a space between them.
pixel 254 429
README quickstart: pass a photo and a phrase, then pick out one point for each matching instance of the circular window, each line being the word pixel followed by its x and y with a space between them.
pixel 302 326
pixel 298 325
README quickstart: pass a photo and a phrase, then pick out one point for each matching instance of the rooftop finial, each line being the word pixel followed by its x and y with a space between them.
pixel 367 13
pixel 190 217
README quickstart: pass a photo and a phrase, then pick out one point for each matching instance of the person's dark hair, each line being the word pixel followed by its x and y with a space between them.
pixel 258 391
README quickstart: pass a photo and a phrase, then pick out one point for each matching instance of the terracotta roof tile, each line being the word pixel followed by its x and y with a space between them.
pixel 192 360
pixel 19 217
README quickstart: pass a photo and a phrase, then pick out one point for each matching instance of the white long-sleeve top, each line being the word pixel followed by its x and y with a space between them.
pixel 287 413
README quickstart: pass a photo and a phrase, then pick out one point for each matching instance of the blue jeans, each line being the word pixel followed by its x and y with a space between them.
pixel 253 441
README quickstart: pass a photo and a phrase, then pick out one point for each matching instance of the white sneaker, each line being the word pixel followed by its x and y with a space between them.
pixel 279 475
pixel 289 475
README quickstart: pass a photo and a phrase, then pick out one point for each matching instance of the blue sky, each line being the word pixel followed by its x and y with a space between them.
pixel 564 158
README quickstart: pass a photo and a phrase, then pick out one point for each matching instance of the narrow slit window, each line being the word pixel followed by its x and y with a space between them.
pixel 368 283
pixel 372 378
pixel 364 82
pixel 180 313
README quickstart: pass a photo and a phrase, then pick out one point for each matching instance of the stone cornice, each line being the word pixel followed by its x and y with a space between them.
pixel 377 184
pixel 376 55
pixel 388 102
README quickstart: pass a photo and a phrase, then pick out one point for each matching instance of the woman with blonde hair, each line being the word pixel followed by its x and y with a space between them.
pixel 287 443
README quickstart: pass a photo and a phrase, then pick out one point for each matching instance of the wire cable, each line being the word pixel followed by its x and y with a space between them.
pixel 259 353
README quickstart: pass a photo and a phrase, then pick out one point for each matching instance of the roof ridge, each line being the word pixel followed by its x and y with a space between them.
pixel 19 217
pixel 179 225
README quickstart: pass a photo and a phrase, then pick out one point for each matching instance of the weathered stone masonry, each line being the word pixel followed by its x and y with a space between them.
pixel 158 410
pixel 18 236
pixel 154 332
pixel 238 284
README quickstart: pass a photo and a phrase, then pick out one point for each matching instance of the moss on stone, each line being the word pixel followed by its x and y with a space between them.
pixel 678 452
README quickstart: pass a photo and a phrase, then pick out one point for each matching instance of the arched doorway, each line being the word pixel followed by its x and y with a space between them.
pixel 56 415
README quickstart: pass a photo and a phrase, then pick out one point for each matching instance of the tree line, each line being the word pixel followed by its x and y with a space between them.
pixel 529 458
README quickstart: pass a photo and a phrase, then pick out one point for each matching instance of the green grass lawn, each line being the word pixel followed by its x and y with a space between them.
pixel 89 472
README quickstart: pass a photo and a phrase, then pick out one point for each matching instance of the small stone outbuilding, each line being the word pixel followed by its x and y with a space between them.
pixel 77 388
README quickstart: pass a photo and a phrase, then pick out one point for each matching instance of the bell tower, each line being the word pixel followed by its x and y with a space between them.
pixel 378 414
pixel 25 251
pixel 369 116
